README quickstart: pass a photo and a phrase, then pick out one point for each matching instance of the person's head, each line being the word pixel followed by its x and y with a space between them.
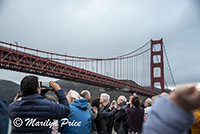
pixel 51 98
pixel 29 85
pixel 153 98
pixel 164 94
pixel 72 95
pixel 86 94
pixel 104 98
pixel 148 102
pixel 136 101
pixel 96 103
pixel 121 99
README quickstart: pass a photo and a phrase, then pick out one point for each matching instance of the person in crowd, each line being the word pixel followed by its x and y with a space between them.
pixel 147 104
pixel 79 119
pixel 103 115
pixel 33 106
pixel 4 118
pixel 86 94
pixel 164 94
pixel 51 98
pixel 196 126
pixel 121 124
pixel 105 101
pixel 55 126
pixel 95 106
pixel 173 114
pixel 153 98
pixel 135 115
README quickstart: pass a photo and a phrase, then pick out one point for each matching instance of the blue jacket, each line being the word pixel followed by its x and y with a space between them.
pixel 36 107
pixel 167 118
pixel 79 117
pixel 4 118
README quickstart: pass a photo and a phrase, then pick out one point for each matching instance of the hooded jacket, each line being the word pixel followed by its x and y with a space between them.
pixel 78 121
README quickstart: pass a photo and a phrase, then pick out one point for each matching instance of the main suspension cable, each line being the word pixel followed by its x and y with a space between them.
pixel 170 70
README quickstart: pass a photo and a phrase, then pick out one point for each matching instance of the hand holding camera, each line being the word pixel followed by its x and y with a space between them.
pixel 48 86
pixel 113 104
pixel 55 86
pixel 95 110
pixel 18 96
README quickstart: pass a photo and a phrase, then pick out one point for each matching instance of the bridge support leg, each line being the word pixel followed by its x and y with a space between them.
pixel 157 64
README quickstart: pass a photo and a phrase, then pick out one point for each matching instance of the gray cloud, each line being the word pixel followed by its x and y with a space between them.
pixel 102 28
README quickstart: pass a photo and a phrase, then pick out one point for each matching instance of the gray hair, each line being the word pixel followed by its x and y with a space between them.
pixel 106 97
pixel 149 101
pixel 123 98
pixel 73 94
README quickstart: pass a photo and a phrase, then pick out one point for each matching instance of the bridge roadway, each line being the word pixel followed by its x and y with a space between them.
pixel 12 59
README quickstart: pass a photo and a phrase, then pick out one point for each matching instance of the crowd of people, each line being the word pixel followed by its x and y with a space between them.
pixel 76 113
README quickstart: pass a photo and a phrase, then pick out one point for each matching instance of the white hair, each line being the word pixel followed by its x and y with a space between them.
pixel 123 98
pixel 149 101
pixel 106 97
pixel 73 94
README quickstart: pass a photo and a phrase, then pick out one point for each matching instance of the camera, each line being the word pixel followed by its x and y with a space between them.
pixel 134 94
pixel 45 87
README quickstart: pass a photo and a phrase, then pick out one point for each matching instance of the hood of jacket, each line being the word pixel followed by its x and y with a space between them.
pixel 81 104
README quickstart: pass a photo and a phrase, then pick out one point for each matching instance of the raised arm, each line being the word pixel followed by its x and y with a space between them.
pixel 62 109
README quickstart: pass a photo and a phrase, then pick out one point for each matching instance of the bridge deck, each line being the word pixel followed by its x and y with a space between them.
pixel 15 60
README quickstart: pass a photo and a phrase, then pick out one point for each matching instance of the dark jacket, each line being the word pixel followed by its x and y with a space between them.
pixel 121 124
pixel 103 119
pixel 39 109
pixel 4 118
pixel 93 117
pixel 79 114
pixel 110 120
pixel 135 118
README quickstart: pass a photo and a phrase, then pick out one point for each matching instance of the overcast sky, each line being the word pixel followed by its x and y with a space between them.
pixel 105 28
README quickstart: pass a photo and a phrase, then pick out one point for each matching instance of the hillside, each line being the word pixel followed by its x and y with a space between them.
pixel 8 90
pixel 95 90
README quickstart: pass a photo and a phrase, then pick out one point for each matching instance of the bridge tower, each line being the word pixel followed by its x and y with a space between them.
pixel 157 64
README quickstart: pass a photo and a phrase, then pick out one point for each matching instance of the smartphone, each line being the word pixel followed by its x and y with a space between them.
pixel 134 94
pixel 46 86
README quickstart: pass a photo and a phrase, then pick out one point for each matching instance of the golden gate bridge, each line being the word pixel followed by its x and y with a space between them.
pixel 137 70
